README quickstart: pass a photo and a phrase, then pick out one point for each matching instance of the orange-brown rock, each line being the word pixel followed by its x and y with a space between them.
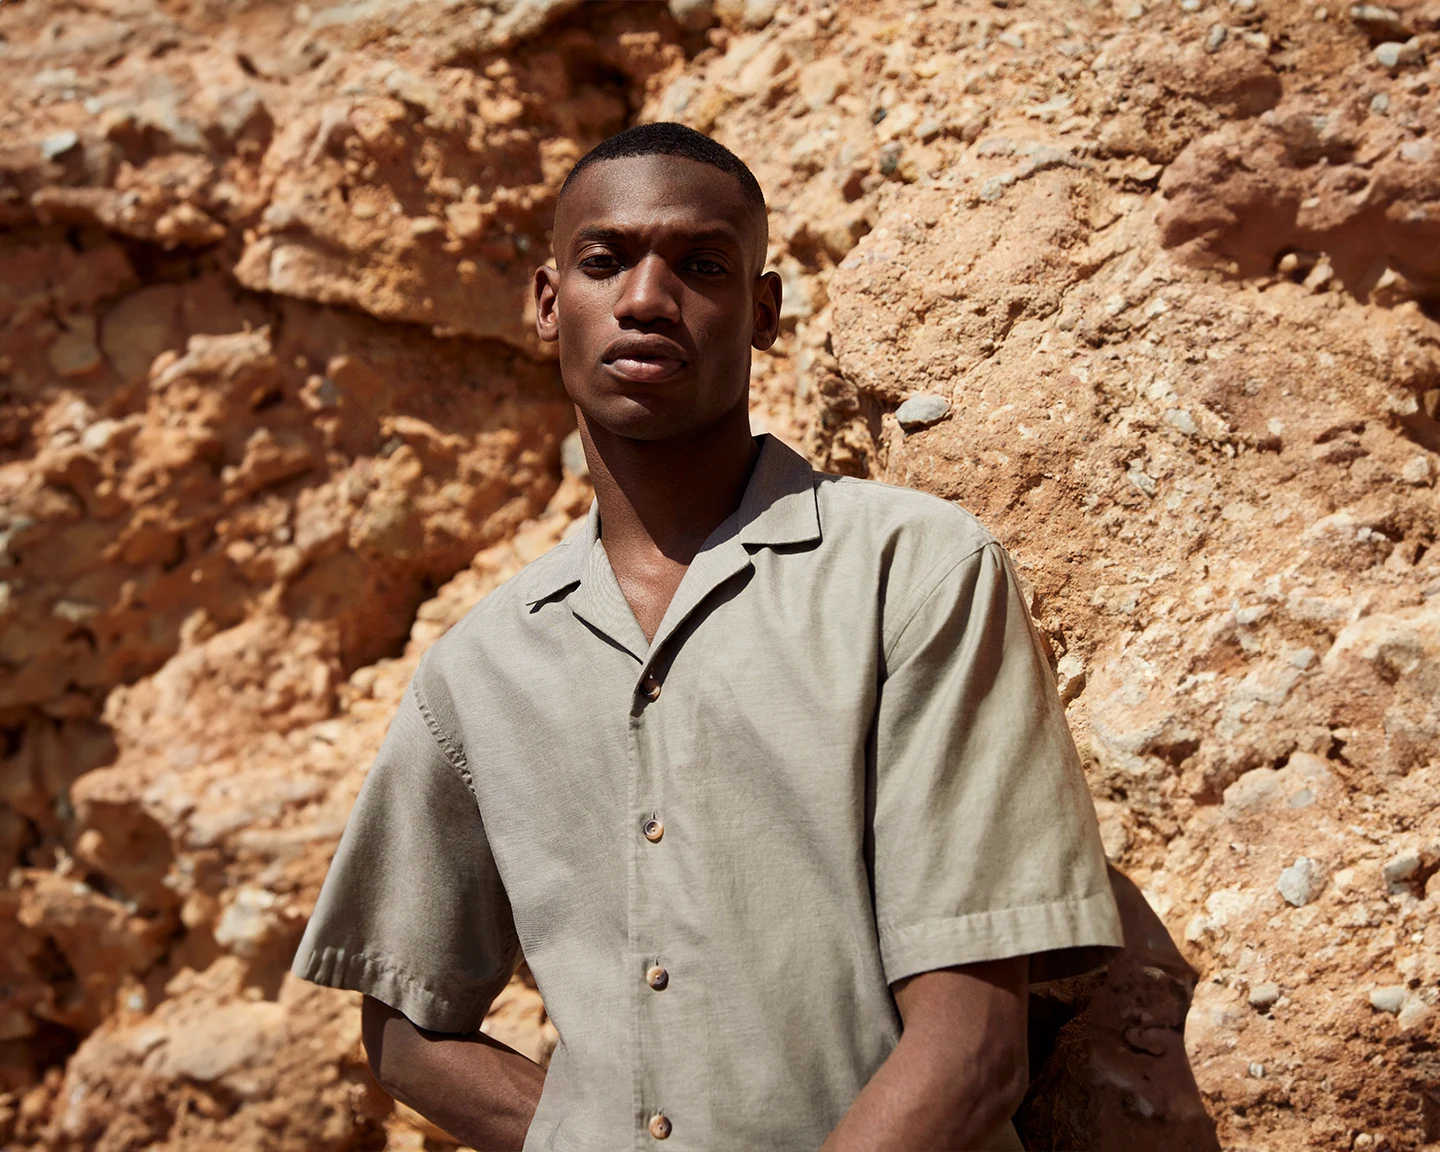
pixel 1161 280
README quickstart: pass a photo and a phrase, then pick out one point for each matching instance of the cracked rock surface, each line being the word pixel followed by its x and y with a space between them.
pixel 1163 279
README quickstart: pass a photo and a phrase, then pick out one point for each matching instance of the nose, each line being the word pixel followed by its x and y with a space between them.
pixel 650 293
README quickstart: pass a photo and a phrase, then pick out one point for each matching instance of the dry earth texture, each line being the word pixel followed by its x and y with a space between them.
pixel 1154 288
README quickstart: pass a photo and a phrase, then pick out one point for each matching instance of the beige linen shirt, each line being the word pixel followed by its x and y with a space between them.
pixel 841 761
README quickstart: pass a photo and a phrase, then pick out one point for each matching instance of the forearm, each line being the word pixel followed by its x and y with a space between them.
pixel 907 1106
pixel 957 1074
pixel 479 1090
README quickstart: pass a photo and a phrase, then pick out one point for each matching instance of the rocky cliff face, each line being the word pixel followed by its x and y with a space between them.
pixel 1152 288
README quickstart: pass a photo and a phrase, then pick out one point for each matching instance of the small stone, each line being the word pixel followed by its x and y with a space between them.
pixel 1320 276
pixel 1264 996
pixel 1253 791
pixel 759 13
pixel 1420 151
pixel 1190 5
pixel 1413 1012
pixel 1401 868
pixel 921 411
pixel 1141 479
pixel 572 456
pixel 1390 998
pixel 1299 883
pixel 75 612
pixel 693 15
pixel 1114 833
pixel 1379 104
pixel 98 436
pixel 1181 421
pixel 1069 677
pixel 1392 55
pixel 55 146
pixel 1257 1070
pixel 1215 38
pixel 1417 471
pixel 1378 20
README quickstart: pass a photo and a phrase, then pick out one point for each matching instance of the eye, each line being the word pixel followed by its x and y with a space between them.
pixel 707 267
pixel 600 264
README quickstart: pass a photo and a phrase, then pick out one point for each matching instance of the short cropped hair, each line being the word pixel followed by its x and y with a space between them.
pixel 669 139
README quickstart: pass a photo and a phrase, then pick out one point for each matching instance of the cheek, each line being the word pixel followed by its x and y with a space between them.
pixel 586 312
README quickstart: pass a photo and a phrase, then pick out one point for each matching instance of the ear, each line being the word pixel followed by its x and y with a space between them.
pixel 547 314
pixel 767 311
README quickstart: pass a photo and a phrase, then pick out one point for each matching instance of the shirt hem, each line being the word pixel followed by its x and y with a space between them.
pixel 1068 937
pixel 425 1008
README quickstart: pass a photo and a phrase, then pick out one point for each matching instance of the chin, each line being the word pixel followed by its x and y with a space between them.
pixel 648 418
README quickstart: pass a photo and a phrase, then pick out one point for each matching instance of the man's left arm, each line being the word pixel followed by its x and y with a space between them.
pixel 985 846
pixel 959 1070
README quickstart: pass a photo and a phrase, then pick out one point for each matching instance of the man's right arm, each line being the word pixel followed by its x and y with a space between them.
pixel 479 1090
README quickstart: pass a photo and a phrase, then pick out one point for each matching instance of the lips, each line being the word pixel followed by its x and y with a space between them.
pixel 644 359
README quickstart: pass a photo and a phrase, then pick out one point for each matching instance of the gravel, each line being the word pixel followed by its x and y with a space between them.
pixel 1401 868
pixel 1264 996
pixel 53 147
pixel 921 411
pixel 1300 883
pixel 572 456
pixel 1390 998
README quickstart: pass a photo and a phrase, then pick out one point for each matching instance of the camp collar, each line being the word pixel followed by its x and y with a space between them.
pixel 778 508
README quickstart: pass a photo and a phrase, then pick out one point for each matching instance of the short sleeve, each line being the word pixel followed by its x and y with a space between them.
pixel 412 911
pixel 986 844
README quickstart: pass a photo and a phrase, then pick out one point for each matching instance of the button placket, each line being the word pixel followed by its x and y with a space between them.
pixel 651 924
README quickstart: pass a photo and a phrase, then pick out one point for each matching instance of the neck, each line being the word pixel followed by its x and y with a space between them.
pixel 667 496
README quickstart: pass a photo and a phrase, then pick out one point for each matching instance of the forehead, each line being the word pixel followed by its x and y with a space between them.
pixel 655 194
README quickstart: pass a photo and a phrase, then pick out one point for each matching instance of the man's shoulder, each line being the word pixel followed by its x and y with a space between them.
pixel 873 514
pixel 500 615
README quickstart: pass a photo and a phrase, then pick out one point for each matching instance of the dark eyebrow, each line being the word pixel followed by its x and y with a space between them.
pixel 596 234
pixel 603 234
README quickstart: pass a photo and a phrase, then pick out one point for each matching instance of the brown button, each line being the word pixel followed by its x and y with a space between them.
pixel 653 829
pixel 657 978
pixel 660 1126
pixel 650 688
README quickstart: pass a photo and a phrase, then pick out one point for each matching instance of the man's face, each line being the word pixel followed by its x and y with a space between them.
pixel 657 296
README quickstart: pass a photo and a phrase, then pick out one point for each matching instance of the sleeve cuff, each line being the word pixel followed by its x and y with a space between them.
pixel 1066 937
pixel 422 1006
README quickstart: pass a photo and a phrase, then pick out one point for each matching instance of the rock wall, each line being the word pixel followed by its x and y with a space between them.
pixel 1152 288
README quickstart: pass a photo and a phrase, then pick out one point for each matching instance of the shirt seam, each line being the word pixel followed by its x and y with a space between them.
pixel 456 759
pixel 935 587
pixel 453 756
pixel 890 927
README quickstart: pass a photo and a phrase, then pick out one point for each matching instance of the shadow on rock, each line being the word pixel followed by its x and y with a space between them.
pixel 1108 1068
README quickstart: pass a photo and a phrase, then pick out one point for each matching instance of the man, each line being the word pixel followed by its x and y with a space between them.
pixel 763 771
